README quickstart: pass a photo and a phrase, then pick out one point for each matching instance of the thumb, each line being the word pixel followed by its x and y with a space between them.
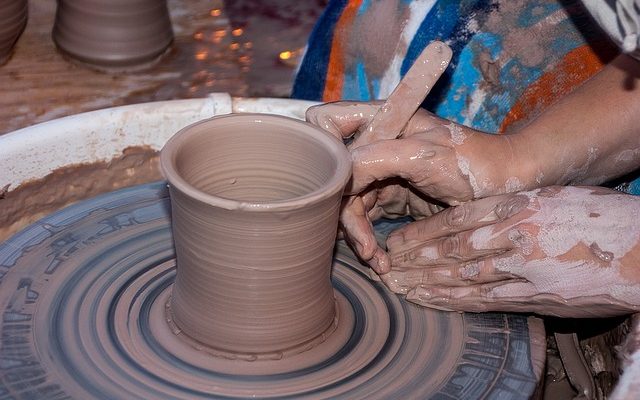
pixel 388 158
pixel 359 233
pixel 343 118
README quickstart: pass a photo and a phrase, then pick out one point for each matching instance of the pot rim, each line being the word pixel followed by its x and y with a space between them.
pixel 335 184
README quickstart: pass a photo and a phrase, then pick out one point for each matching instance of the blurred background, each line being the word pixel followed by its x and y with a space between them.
pixel 244 47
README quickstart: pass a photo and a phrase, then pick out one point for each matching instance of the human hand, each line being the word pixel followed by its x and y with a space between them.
pixel 433 161
pixel 562 251
pixel 451 163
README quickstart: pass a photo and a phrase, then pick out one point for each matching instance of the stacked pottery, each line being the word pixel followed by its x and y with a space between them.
pixel 113 34
pixel 13 19
pixel 255 201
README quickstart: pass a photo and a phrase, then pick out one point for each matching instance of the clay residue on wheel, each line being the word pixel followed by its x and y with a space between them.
pixel 35 199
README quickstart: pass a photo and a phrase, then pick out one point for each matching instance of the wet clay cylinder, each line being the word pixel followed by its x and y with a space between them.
pixel 255 201
pixel 113 34
pixel 13 19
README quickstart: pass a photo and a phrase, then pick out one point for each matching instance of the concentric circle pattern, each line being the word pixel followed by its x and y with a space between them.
pixel 84 294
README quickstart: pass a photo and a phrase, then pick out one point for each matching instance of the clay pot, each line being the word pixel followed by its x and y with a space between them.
pixel 113 34
pixel 13 19
pixel 255 201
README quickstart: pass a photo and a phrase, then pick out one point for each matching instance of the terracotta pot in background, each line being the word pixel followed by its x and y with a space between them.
pixel 113 34
pixel 13 19
pixel 255 201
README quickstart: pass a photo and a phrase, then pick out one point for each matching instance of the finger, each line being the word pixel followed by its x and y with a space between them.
pixel 402 281
pixel 474 298
pixel 342 119
pixel 456 249
pixel 467 216
pixel 406 98
pixel 390 158
pixel 360 234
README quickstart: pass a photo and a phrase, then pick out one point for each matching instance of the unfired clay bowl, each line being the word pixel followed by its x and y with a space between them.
pixel 255 202
pixel 113 34
pixel 13 19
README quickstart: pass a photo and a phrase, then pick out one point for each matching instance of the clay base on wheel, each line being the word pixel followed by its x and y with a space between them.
pixel 115 67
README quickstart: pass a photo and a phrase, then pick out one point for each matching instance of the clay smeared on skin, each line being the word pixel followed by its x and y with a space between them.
pixel 457 135
pixel 559 249
pixel 465 170
pixel 255 201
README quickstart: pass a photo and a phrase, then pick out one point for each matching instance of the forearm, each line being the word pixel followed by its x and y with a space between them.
pixel 590 136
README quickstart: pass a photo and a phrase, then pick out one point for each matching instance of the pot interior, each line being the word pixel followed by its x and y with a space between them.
pixel 255 160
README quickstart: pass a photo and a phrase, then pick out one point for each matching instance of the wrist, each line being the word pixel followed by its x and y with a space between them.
pixel 526 164
pixel 530 164
pixel 501 164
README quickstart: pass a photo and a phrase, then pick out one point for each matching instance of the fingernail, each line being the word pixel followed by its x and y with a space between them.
pixel 373 263
pixel 394 239
pixel 419 293
pixel 378 265
pixel 395 283
pixel 511 207
pixel 383 261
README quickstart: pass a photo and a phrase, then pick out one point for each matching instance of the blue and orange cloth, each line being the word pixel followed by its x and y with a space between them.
pixel 511 58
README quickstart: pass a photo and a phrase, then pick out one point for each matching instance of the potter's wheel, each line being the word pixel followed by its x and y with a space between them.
pixel 83 296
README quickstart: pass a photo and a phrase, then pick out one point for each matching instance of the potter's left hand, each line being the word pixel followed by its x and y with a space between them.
pixel 564 251
pixel 448 162
pixel 433 159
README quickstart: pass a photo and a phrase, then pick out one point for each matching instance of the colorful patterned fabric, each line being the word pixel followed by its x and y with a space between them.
pixel 511 58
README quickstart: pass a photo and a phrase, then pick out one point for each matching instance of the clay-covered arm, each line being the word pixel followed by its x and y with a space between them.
pixel 590 136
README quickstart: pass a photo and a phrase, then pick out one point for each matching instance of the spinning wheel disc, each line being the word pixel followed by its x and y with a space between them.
pixel 83 295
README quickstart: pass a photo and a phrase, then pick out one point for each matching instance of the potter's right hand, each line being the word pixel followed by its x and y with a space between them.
pixel 433 159
pixel 566 251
